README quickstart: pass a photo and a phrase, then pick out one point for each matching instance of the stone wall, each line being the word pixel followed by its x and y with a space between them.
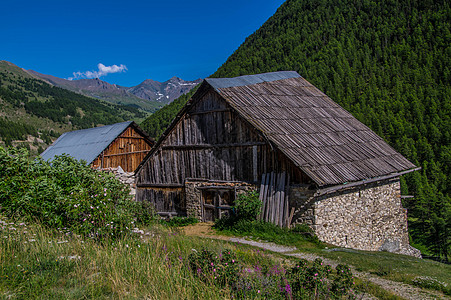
pixel 369 217
pixel 301 197
pixel 127 178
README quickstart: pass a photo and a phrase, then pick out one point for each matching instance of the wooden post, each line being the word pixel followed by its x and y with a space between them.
pixel 254 163
pixel 270 198
pixel 291 216
pixel 286 208
pixel 262 197
pixel 282 199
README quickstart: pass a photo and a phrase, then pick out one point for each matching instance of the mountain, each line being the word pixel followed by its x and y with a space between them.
pixel 388 63
pixel 149 95
pixel 164 92
pixel 100 89
pixel 33 112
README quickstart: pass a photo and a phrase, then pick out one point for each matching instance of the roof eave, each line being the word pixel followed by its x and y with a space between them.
pixel 332 189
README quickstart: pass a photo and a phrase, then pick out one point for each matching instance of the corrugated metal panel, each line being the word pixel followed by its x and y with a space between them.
pixel 85 144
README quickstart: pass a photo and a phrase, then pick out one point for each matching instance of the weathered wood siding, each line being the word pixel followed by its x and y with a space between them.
pixel 127 151
pixel 213 142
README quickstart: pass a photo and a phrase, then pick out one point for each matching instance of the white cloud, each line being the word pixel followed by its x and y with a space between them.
pixel 103 71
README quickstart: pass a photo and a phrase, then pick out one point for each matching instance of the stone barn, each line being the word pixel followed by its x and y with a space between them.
pixel 310 159
pixel 118 145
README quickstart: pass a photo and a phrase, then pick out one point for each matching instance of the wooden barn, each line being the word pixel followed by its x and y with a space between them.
pixel 122 144
pixel 310 159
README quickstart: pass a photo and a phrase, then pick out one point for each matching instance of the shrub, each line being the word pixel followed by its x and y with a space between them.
pixel 219 269
pixel 248 205
pixel 343 281
pixel 64 194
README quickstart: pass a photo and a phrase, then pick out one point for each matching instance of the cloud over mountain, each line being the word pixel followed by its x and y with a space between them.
pixel 103 71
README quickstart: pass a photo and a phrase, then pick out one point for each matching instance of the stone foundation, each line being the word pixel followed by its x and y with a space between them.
pixel 369 217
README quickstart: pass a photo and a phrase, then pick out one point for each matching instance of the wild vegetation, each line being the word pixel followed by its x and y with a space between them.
pixel 68 231
pixel 388 63
pixel 77 238
pixel 64 194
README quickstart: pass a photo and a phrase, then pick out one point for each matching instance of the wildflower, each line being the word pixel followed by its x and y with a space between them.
pixel 212 264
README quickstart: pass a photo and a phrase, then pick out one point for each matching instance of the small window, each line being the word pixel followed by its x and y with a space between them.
pixel 227 197
pixel 209 197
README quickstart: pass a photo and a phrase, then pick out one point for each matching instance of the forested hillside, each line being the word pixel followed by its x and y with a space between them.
pixel 32 107
pixel 156 124
pixel 388 63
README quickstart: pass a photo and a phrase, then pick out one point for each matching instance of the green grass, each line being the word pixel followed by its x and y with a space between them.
pixel 257 230
pixel 391 266
pixel 39 263
pixel 375 290
pixel 44 264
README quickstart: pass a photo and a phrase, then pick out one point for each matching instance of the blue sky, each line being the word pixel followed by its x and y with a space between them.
pixel 150 39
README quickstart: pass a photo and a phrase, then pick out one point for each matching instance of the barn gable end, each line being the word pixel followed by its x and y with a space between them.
pixel 209 142
pixel 118 145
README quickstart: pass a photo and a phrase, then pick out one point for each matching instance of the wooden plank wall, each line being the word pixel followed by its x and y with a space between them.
pixel 212 142
pixel 127 151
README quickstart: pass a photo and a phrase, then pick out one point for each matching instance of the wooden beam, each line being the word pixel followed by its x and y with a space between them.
pixel 209 111
pixel 160 185
pixel 126 153
pixel 221 187
pixel 332 189
pixel 167 213
pixel 206 146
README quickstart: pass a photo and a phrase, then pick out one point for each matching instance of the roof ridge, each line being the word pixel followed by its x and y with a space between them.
pixel 221 83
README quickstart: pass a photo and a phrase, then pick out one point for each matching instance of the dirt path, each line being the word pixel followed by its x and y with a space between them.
pixel 400 289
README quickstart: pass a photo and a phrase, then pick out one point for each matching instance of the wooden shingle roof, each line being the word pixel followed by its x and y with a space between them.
pixel 315 133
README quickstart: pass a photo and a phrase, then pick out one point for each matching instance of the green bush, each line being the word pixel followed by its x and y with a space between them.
pixel 219 269
pixel 248 205
pixel 64 194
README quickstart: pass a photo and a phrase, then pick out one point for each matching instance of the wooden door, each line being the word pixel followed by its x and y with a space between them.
pixel 216 203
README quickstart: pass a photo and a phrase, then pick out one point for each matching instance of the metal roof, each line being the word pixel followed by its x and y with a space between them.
pixel 85 144
pixel 222 83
